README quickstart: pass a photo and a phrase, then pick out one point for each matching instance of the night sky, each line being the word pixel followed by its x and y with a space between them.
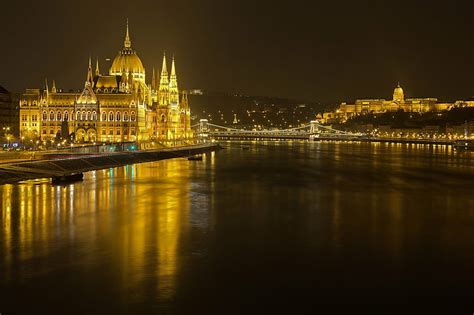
pixel 309 50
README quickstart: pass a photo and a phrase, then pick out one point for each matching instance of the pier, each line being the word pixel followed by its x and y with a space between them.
pixel 73 166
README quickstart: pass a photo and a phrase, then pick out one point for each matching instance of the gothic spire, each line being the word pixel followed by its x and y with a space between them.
pixel 127 42
pixel 90 78
pixel 97 71
pixel 164 69
pixel 173 68
pixel 153 80
pixel 173 89
pixel 164 85
pixel 53 89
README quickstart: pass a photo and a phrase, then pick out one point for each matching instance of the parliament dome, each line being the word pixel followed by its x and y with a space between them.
pixel 127 61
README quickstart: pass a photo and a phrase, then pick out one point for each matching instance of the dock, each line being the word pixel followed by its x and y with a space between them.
pixel 72 166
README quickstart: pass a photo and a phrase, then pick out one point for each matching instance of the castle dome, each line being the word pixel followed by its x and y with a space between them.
pixel 127 61
pixel 398 95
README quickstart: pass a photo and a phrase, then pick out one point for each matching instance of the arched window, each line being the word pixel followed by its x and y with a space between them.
pixel 111 116
pixel 51 115
pixel 118 116
pixel 132 116
pixel 58 116
pixel 125 116
pixel 89 116
pixel 78 116
pixel 66 115
pixel 45 115
pixel 163 119
pixel 104 116
pixel 94 116
pixel 83 115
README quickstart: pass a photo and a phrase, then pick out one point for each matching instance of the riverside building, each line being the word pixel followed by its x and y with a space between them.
pixel 397 103
pixel 117 106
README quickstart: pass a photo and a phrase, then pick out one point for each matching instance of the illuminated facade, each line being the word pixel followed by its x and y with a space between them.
pixel 115 107
pixel 398 102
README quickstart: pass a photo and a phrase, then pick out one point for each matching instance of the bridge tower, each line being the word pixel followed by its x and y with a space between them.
pixel 203 131
pixel 314 129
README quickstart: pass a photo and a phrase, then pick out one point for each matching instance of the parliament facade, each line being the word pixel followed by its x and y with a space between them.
pixel 115 107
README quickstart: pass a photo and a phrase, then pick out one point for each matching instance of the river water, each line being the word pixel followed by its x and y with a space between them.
pixel 282 226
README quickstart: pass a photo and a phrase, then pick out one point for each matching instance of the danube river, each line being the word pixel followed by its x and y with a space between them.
pixel 280 226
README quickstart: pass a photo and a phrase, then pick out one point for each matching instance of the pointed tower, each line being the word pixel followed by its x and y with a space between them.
pixel 187 133
pixel 164 85
pixel 173 89
pixel 153 81
pixel 90 78
pixel 127 43
pixel 97 71
pixel 53 89
pixel 46 89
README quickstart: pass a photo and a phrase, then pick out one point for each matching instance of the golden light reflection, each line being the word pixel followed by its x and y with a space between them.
pixel 132 218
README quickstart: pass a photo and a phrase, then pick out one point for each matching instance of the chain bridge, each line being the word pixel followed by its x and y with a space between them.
pixel 313 131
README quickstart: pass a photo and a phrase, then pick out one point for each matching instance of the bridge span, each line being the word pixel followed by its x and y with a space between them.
pixel 312 131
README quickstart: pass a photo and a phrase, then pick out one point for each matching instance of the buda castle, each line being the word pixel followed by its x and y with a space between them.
pixel 115 107
pixel 397 103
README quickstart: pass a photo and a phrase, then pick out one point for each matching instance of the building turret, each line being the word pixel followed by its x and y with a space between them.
pixel 53 89
pixel 164 85
pixel 90 78
pixel 173 89
pixel 127 43
pixel 97 71
pixel 153 81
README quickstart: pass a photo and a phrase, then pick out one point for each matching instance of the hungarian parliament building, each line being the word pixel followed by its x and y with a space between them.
pixel 115 107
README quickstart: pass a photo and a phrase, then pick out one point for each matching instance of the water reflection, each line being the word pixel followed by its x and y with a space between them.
pixel 176 233
pixel 132 218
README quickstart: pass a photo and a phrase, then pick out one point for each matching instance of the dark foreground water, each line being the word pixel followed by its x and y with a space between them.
pixel 289 227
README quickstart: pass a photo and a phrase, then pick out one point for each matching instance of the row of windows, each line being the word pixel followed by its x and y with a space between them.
pixel 33 117
pixel 111 132
pixel 86 116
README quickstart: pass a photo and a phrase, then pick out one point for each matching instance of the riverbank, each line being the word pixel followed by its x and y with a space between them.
pixel 63 166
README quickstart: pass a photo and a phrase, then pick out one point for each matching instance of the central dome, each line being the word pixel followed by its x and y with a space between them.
pixel 398 95
pixel 127 61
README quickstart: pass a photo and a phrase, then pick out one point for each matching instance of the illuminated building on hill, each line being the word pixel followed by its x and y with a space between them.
pixel 397 103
